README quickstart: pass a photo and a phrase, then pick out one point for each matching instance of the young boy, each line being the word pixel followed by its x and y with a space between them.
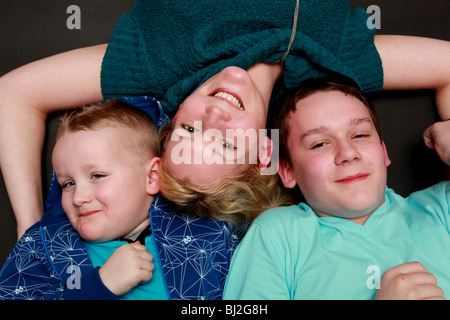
pixel 117 238
pixel 106 161
pixel 354 235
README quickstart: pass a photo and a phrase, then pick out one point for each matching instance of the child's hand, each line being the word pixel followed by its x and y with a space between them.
pixel 409 281
pixel 127 267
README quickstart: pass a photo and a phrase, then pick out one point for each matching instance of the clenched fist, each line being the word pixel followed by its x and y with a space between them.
pixel 409 281
pixel 127 267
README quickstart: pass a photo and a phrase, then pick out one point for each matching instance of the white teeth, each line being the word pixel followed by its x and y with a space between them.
pixel 230 98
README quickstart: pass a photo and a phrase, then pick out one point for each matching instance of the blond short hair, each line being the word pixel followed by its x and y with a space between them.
pixel 138 131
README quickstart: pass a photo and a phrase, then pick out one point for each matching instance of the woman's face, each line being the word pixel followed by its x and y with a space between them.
pixel 216 130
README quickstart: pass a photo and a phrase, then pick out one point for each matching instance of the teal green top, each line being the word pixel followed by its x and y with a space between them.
pixel 167 48
pixel 291 253
pixel 153 290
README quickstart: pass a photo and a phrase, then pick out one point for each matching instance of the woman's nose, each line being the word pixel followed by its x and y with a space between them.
pixel 215 115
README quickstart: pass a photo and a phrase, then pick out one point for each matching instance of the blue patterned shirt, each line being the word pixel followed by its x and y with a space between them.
pixel 50 261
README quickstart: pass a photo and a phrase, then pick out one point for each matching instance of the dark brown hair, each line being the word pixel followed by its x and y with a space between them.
pixel 286 105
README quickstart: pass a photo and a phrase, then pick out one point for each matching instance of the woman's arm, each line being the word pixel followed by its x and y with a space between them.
pixel 413 63
pixel 27 95
pixel 420 63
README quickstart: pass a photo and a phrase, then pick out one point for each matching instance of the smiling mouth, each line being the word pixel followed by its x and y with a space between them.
pixel 88 213
pixel 355 178
pixel 229 97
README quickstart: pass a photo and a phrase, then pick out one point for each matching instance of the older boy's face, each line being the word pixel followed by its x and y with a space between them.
pixel 337 158
pixel 104 187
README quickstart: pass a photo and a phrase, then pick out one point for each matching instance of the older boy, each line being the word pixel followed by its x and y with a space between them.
pixel 354 235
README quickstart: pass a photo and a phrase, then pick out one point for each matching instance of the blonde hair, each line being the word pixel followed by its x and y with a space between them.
pixel 137 129
pixel 233 199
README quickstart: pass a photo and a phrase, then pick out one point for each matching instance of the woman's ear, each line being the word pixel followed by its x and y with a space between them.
pixel 265 153
pixel 286 174
pixel 153 176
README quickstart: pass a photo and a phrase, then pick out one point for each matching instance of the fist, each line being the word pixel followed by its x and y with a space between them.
pixel 127 267
pixel 409 281
pixel 437 137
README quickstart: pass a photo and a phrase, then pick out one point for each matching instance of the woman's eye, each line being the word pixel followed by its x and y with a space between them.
pixel 187 128
pixel 228 145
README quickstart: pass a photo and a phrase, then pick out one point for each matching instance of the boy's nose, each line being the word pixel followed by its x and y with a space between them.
pixel 81 196
pixel 346 152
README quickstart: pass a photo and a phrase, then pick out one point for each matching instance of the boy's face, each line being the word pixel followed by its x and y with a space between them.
pixel 337 158
pixel 104 186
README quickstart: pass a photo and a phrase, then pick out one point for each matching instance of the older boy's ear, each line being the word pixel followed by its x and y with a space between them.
pixel 265 153
pixel 286 174
pixel 386 156
pixel 153 176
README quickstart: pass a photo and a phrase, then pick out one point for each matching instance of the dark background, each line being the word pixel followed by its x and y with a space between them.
pixel 34 29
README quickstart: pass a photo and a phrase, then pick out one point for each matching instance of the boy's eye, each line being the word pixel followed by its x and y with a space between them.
pixel 68 184
pixel 361 135
pixel 97 176
pixel 318 145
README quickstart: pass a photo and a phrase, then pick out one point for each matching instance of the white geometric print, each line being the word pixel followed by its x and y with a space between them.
pixel 195 253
